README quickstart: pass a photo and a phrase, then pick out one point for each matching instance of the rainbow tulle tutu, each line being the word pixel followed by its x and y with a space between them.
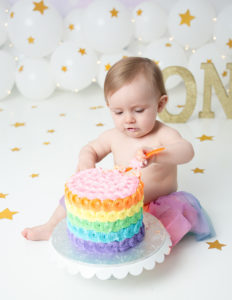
pixel 181 213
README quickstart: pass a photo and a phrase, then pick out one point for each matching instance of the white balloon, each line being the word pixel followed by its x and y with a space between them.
pixel 7 73
pixel 207 53
pixel 73 26
pixel 167 53
pixel 223 31
pixel 191 22
pixel 74 65
pixel 3 30
pixel 35 30
pixel 107 61
pixel 150 21
pixel 34 78
pixel 107 26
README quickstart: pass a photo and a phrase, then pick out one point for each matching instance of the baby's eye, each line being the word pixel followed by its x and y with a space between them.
pixel 118 112
pixel 139 110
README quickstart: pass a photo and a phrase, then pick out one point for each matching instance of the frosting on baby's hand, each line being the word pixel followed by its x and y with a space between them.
pixel 137 164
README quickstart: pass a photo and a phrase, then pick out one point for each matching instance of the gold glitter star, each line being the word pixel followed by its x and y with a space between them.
pixel 34 175
pixel 20 68
pixel 216 244
pixel 15 149
pixel 114 12
pixel 139 12
pixel 197 170
pixel 180 106
pixel 107 67
pixel 1 109
pixel 71 26
pixel 82 51
pixel 62 115
pixel 96 107
pixel 99 124
pixel 209 61
pixel 7 214
pixel 3 196
pixel 205 138
pixel 12 15
pixel 186 18
pixel 31 40
pixel 229 43
pixel 64 68
pixel 168 45
pixel 51 131
pixel 34 106
pixel 46 143
pixel 156 62
pixel 39 6
pixel 224 74
pixel 18 124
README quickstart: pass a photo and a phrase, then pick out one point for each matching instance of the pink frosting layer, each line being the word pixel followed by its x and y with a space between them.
pixel 103 184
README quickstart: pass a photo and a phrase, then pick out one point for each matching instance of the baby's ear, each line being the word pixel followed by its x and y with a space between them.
pixel 162 102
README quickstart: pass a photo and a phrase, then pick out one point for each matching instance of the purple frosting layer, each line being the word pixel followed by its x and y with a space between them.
pixel 112 247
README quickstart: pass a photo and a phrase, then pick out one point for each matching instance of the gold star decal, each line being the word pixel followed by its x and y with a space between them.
pixel 205 138
pixel 34 175
pixel 197 170
pixel 229 43
pixel 96 107
pixel 71 27
pixel 168 45
pixel 64 68
pixel 3 196
pixel 39 6
pixel 114 12
pixel 180 106
pixel 186 18
pixel 209 61
pixel 156 62
pixel 216 245
pixel 1 109
pixel 15 149
pixel 34 106
pixel 18 124
pixel 99 124
pixel 46 143
pixel 7 214
pixel 12 15
pixel 107 67
pixel 224 74
pixel 62 115
pixel 51 131
pixel 82 51
pixel 20 68
pixel 139 12
pixel 31 40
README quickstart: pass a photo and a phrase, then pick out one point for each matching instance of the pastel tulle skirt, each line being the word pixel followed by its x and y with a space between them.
pixel 180 213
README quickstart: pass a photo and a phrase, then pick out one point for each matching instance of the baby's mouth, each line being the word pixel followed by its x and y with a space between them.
pixel 132 129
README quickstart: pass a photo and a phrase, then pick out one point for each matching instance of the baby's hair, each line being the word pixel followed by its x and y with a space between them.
pixel 125 70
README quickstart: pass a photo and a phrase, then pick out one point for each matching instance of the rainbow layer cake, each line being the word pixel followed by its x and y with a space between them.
pixel 104 210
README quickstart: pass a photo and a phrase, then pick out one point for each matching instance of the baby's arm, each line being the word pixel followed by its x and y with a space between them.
pixel 177 149
pixel 94 151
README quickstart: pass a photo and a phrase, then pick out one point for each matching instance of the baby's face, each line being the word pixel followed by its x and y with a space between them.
pixel 134 108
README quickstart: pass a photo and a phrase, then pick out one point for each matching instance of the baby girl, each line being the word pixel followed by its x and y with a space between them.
pixel 135 93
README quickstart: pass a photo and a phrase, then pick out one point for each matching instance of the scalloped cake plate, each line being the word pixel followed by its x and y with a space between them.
pixel 155 245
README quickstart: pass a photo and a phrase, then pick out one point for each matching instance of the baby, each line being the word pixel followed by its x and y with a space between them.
pixel 135 93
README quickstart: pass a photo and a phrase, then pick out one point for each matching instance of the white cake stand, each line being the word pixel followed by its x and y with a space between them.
pixel 151 250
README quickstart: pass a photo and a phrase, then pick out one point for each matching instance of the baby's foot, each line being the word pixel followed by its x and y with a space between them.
pixel 38 233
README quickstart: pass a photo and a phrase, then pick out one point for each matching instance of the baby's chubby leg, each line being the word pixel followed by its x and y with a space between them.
pixel 44 231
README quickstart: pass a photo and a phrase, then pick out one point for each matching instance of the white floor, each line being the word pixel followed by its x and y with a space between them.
pixel 191 271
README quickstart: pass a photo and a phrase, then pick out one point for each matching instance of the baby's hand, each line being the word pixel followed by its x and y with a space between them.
pixel 83 166
pixel 141 156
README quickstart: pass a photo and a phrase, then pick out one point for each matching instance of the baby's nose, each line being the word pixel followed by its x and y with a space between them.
pixel 129 118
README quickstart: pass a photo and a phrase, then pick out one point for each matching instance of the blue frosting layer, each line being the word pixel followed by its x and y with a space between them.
pixel 100 237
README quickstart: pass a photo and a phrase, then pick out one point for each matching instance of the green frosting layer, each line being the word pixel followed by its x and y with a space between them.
pixel 105 226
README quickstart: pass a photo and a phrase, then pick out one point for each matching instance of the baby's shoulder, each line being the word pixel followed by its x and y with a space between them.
pixel 165 130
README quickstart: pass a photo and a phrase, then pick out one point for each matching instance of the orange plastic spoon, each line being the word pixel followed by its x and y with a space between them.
pixel 148 155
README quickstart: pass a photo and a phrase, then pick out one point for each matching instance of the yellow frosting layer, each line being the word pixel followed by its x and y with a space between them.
pixel 103 216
